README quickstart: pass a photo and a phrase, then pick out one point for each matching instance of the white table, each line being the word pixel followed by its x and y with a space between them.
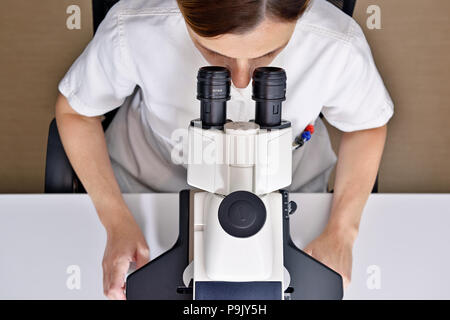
pixel 402 251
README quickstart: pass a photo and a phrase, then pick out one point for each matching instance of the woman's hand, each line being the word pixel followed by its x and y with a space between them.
pixel 358 161
pixel 125 244
pixel 335 251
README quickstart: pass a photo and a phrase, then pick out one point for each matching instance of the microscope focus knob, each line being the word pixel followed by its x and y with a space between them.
pixel 292 207
pixel 242 214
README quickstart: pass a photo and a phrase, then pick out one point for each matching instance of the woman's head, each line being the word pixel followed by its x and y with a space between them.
pixel 241 34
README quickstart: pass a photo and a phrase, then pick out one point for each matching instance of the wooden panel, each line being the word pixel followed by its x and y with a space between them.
pixel 35 52
pixel 412 52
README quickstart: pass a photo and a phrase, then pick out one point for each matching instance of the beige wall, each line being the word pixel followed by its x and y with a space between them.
pixel 411 51
pixel 36 48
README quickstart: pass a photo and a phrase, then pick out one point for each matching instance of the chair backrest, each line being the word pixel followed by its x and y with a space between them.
pixel 99 10
pixel 348 6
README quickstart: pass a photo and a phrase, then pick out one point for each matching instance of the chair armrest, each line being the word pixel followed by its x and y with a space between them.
pixel 59 175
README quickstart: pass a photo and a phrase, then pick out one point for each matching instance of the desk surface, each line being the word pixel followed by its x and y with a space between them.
pixel 402 251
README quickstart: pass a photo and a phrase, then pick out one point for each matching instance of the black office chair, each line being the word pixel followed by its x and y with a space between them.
pixel 348 6
pixel 59 174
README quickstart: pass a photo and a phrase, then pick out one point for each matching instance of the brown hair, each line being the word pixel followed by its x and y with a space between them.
pixel 210 18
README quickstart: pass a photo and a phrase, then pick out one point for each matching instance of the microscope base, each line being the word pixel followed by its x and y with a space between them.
pixel 162 278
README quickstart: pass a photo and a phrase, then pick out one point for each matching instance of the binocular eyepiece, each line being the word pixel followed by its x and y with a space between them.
pixel 269 91
pixel 213 91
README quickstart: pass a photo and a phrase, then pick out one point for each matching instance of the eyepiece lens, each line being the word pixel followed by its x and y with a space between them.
pixel 269 90
pixel 213 83
pixel 213 90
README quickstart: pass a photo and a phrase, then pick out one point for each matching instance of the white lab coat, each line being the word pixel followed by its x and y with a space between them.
pixel 143 61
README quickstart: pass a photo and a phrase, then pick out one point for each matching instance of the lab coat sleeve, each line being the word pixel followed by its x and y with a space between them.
pixel 103 75
pixel 358 98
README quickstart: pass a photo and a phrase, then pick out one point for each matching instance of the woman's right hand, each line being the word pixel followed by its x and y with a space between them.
pixel 85 145
pixel 125 244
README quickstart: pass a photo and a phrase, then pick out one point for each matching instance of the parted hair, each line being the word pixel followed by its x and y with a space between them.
pixel 210 18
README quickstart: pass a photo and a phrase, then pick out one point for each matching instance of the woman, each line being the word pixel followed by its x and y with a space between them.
pixel 144 58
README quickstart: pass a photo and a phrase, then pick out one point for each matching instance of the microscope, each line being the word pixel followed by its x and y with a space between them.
pixel 234 238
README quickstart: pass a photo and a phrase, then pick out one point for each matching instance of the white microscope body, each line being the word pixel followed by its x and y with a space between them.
pixel 238 227
pixel 242 157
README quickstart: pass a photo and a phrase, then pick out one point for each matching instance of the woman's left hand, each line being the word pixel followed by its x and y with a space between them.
pixel 335 251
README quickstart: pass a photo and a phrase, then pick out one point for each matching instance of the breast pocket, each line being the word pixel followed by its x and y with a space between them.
pixel 313 162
